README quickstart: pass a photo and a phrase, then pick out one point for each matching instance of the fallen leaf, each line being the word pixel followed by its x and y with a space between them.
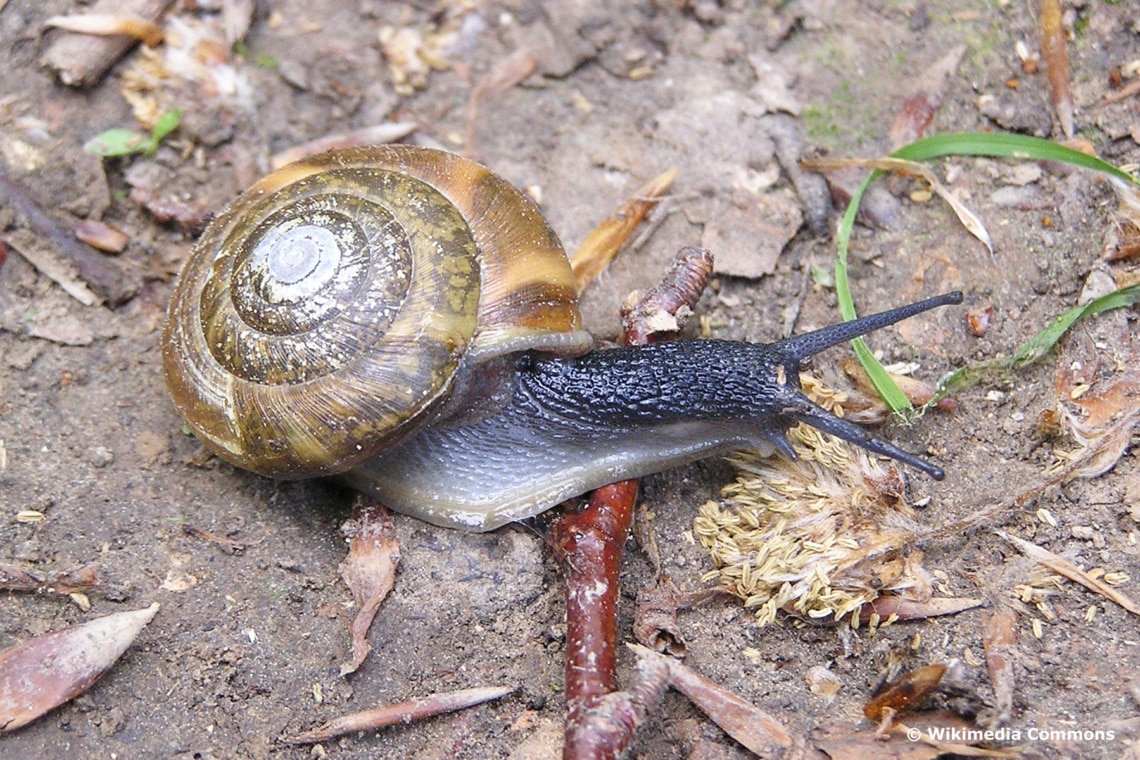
pixel 405 712
pixel 917 111
pixel 755 729
pixel 603 243
pixel 43 673
pixel 999 637
pixel 904 693
pixel 913 609
pixel 369 570
pixel 1055 54
pixel 971 221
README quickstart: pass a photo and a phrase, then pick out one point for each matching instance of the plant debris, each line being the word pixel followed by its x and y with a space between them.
pixel 43 673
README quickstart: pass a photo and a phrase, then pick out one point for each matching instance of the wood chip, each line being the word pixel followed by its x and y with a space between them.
pixel 81 60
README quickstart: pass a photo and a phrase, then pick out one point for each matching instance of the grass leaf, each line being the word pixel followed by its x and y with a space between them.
pixel 994 145
pixel 1036 347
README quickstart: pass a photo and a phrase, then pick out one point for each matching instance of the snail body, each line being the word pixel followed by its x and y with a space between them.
pixel 406 320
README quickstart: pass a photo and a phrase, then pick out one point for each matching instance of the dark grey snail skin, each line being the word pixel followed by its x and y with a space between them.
pixel 544 429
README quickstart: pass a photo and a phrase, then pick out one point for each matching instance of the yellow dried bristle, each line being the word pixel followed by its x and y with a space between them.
pixel 818 537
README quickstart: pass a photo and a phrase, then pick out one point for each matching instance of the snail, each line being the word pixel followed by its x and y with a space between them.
pixel 406 320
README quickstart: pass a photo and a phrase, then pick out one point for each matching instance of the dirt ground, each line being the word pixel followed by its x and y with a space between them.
pixel 246 647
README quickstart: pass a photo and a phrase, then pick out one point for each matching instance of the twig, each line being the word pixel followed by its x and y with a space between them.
pixel 81 60
pixel 105 280
pixel 599 723
pixel 588 544
pixel 13 578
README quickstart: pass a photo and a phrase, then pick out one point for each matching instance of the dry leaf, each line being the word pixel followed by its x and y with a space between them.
pixel 369 570
pixel 602 244
pixel 918 111
pixel 1000 640
pixel 405 712
pixel 43 673
pixel 903 694
pixel 1055 54
pixel 740 719
pixel 902 608
pixel 968 218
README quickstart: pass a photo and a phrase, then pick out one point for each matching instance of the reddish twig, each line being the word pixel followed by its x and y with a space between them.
pixel 13 578
pixel 600 722
pixel 588 544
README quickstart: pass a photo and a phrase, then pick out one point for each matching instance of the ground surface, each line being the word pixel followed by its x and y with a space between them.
pixel 244 641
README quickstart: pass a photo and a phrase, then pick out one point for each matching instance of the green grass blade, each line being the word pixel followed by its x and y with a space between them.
pixel 1000 145
pixel 895 399
pixel 1037 346
pixel 990 144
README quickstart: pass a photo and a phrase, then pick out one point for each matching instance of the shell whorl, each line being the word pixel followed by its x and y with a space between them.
pixel 323 316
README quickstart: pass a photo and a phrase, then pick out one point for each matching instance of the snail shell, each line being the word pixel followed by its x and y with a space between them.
pixel 406 320
pixel 325 315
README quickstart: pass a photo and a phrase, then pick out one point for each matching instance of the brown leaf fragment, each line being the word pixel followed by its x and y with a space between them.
pixel 999 637
pixel 43 673
pixel 755 729
pixel 919 109
pixel 912 609
pixel 369 570
pixel 404 712
pixel 1055 54
pixel 978 319
pixel 1122 242
pixel 101 235
pixel 1063 567
pixel 13 578
pixel 602 244
pixel 917 391
pixel 104 25
pixel 904 693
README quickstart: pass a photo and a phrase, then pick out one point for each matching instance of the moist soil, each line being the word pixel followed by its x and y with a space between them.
pixel 247 645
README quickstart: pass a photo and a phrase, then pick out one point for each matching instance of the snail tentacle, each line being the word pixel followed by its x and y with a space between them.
pixel 407 320
pixel 571 424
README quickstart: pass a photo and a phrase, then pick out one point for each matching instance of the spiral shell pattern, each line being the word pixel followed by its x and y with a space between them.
pixel 322 317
